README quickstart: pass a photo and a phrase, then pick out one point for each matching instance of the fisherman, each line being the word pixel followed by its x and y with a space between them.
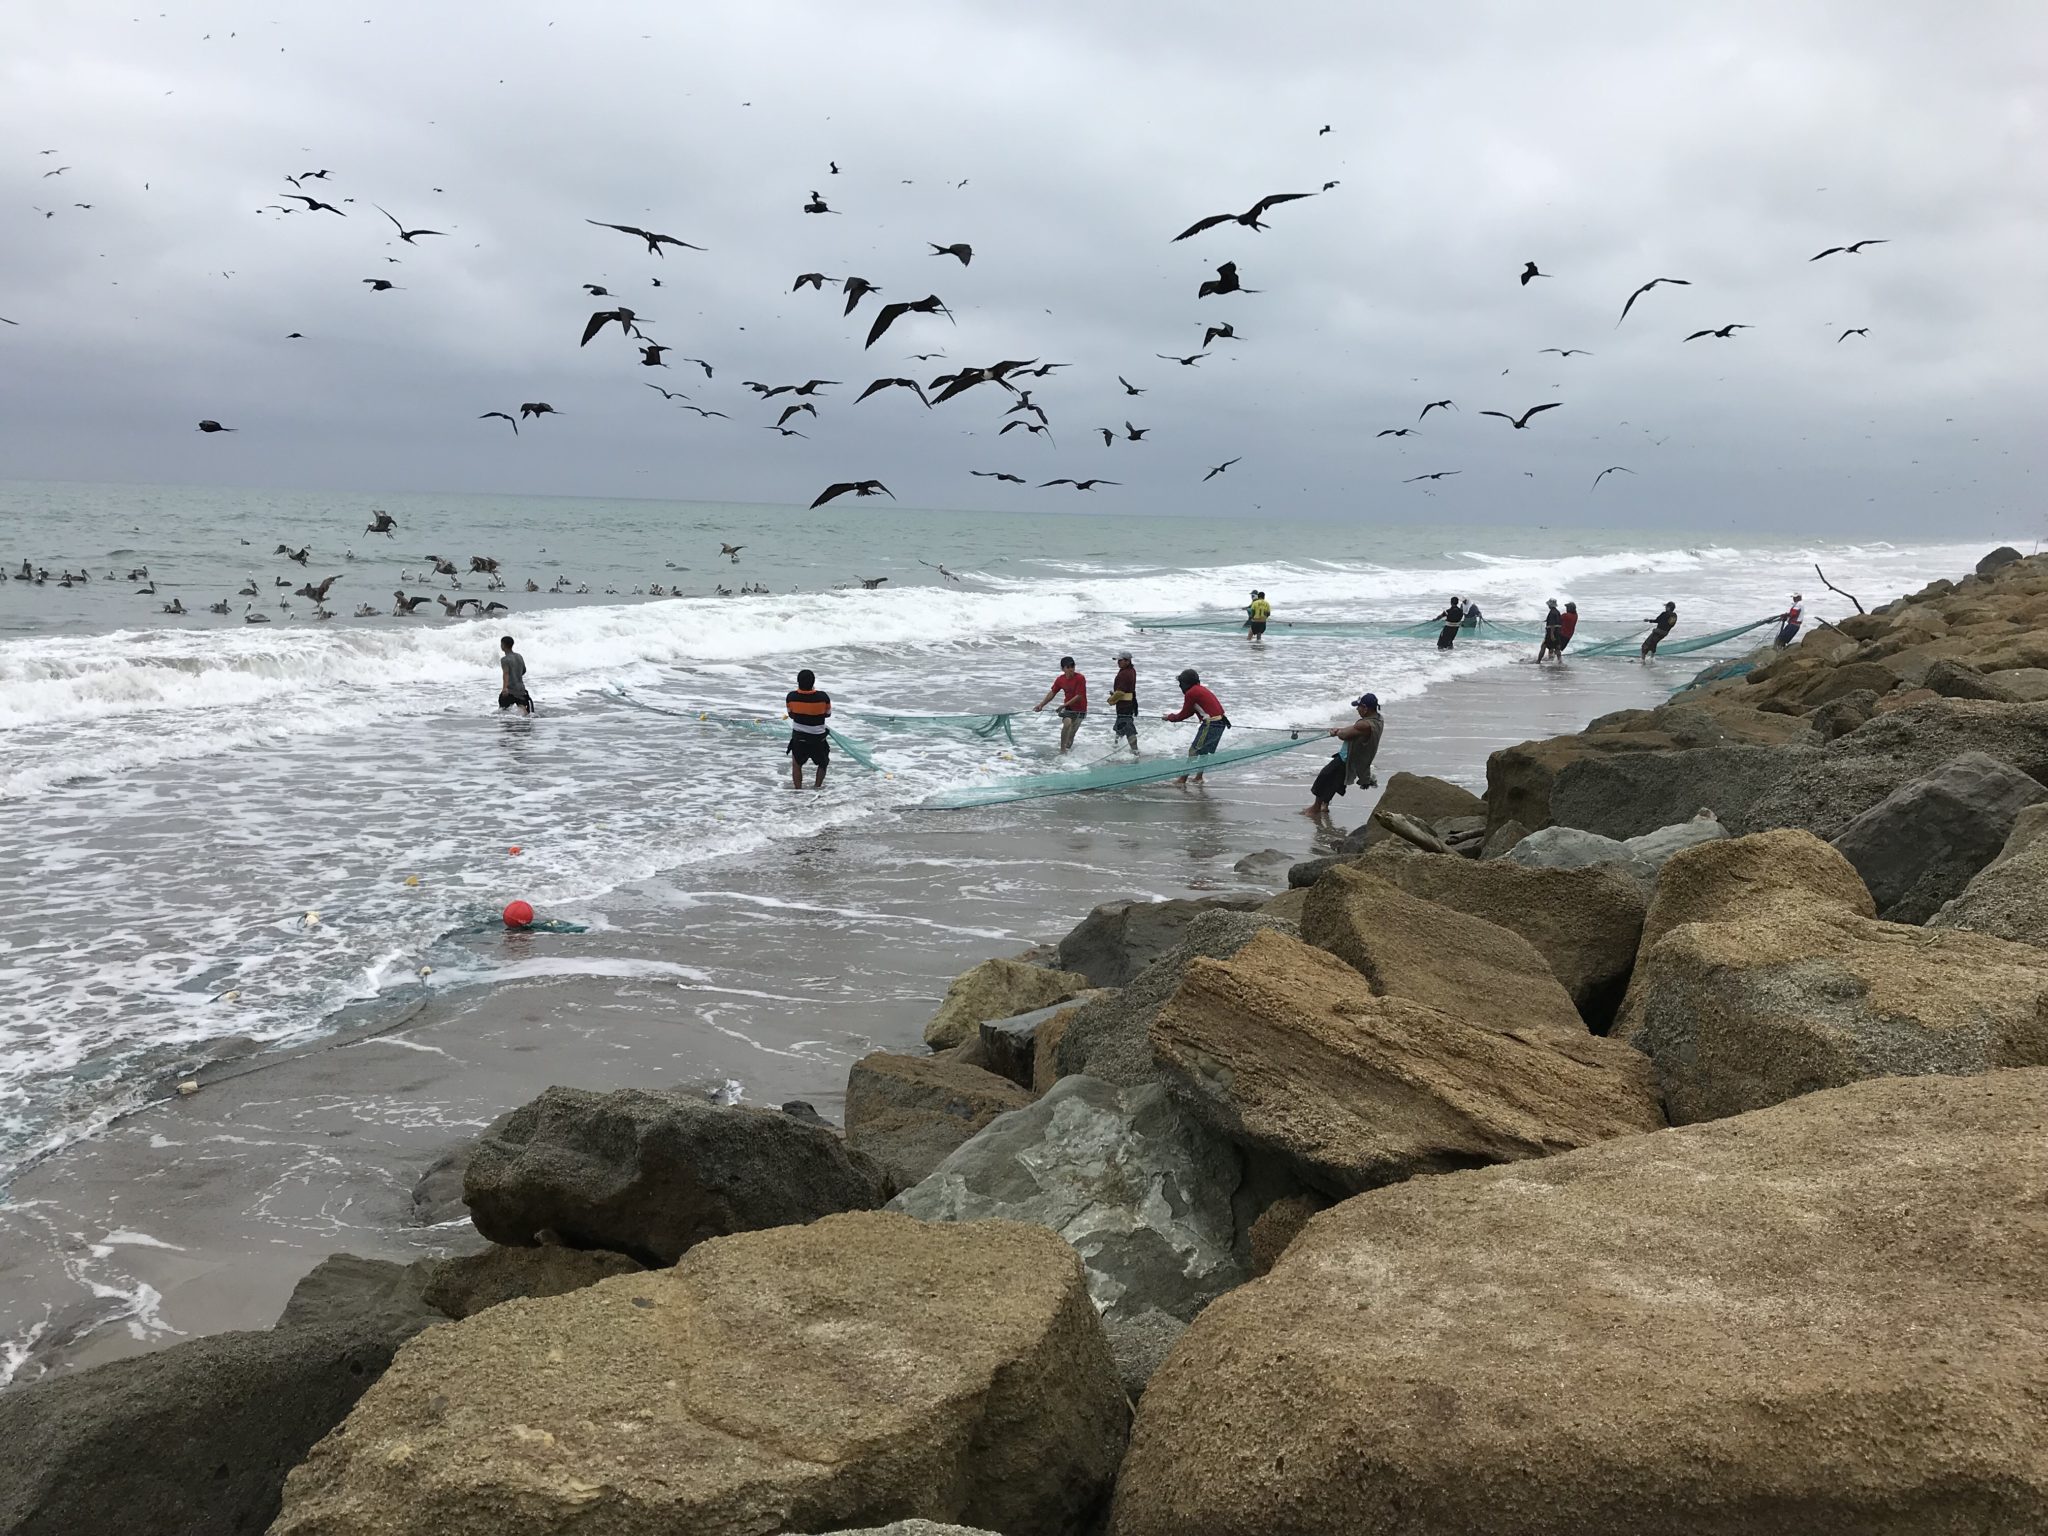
pixel 1359 743
pixel 1553 622
pixel 1473 617
pixel 1567 626
pixel 1071 689
pixel 1123 697
pixel 810 739
pixel 1452 619
pixel 1789 622
pixel 1200 702
pixel 512 678
pixel 1256 614
pixel 1660 626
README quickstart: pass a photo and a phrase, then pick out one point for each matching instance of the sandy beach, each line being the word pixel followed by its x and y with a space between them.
pixel 199 1213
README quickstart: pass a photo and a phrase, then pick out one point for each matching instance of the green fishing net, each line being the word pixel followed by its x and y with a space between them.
pixel 1110 773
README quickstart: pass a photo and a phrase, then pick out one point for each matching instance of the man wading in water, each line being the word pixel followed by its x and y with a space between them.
pixel 1198 701
pixel 810 740
pixel 512 678
pixel 1071 689
pixel 1123 697
pixel 1353 762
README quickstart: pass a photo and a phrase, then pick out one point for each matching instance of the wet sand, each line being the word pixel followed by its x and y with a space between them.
pixel 200 1213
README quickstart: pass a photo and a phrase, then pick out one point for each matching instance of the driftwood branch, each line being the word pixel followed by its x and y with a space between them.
pixel 1823 575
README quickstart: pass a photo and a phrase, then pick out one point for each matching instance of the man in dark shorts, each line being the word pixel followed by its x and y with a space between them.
pixel 810 739
pixel 1206 708
pixel 512 678
pixel 1353 762
pixel 1123 697
pixel 1453 620
pixel 1789 622
pixel 1660 626
pixel 1071 689
pixel 1256 614
pixel 1553 620
pixel 1567 627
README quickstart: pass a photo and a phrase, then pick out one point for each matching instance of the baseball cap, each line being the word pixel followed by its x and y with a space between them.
pixel 1366 701
pixel 1123 655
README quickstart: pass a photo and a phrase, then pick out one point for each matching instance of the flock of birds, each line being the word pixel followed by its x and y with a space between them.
pixel 1014 381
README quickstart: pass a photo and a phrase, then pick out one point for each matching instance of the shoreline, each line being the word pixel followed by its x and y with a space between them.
pixel 285 1156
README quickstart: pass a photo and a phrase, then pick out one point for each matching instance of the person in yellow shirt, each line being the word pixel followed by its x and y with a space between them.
pixel 1256 614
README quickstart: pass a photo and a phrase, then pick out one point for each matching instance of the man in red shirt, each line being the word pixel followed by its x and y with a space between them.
pixel 1200 702
pixel 1071 689
pixel 1566 628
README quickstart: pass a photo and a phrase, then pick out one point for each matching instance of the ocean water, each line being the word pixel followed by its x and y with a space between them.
pixel 226 832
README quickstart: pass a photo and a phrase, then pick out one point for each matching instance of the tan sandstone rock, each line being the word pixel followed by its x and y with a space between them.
pixel 861 1369
pixel 1743 1014
pixel 1410 947
pixel 996 989
pixel 1826 1319
pixel 1585 923
pixel 1289 1052
pixel 1738 877
pixel 909 1113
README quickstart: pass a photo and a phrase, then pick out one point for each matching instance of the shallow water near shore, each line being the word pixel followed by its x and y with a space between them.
pixel 196 792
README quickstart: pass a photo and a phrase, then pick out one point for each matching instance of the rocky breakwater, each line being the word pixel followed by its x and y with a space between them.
pixel 1655 1145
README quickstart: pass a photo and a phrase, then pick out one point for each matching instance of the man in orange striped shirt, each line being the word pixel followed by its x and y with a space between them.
pixel 810 739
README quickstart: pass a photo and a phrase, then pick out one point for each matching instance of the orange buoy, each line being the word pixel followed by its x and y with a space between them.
pixel 518 914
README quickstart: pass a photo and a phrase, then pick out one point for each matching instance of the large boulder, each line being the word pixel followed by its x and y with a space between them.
pixel 1427 799
pixel 864 1368
pixel 1109 1038
pixel 1585 923
pixel 465 1285
pixel 194 1440
pixel 1409 947
pixel 1626 796
pixel 1641 857
pixel 1999 558
pixel 1818 1320
pixel 2008 900
pixel 1117 940
pixel 649 1173
pixel 1738 877
pixel 1143 1193
pixel 996 989
pixel 1920 845
pixel 1783 1000
pixel 910 1112
pixel 1827 790
pixel 349 1290
pixel 1019 1047
pixel 1290 1053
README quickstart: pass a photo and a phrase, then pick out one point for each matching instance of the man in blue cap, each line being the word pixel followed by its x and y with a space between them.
pixel 1359 744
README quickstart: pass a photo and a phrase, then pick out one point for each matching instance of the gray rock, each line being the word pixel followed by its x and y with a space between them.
pixel 437 1194
pixel 2004 555
pixel 909 1112
pixel 1954 680
pixel 1009 1047
pixel 1419 795
pixel 1566 848
pixel 1839 716
pixel 2027 684
pixel 1140 1345
pixel 2028 828
pixel 1919 846
pixel 463 1286
pixel 376 1294
pixel 1263 865
pixel 1501 839
pixel 1142 1192
pixel 1624 795
pixel 1654 848
pixel 1107 1039
pixel 804 1110
pixel 194 1440
pixel 1309 871
pixel 909 1528
pixel 1120 938
pixel 1828 789
pixel 2008 900
pixel 651 1173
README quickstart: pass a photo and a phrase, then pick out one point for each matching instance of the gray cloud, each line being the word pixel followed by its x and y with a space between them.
pixel 1609 143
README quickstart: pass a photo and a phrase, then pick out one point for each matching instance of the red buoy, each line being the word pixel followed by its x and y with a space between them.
pixel 518 914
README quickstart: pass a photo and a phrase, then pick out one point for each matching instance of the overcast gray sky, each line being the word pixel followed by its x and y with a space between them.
pixel 1608 142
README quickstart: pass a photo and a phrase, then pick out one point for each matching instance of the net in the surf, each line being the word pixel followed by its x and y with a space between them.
pixel 987 727
pixel 1679 647
pixel 1339 629
pixel 760 725
pixel 1110 773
